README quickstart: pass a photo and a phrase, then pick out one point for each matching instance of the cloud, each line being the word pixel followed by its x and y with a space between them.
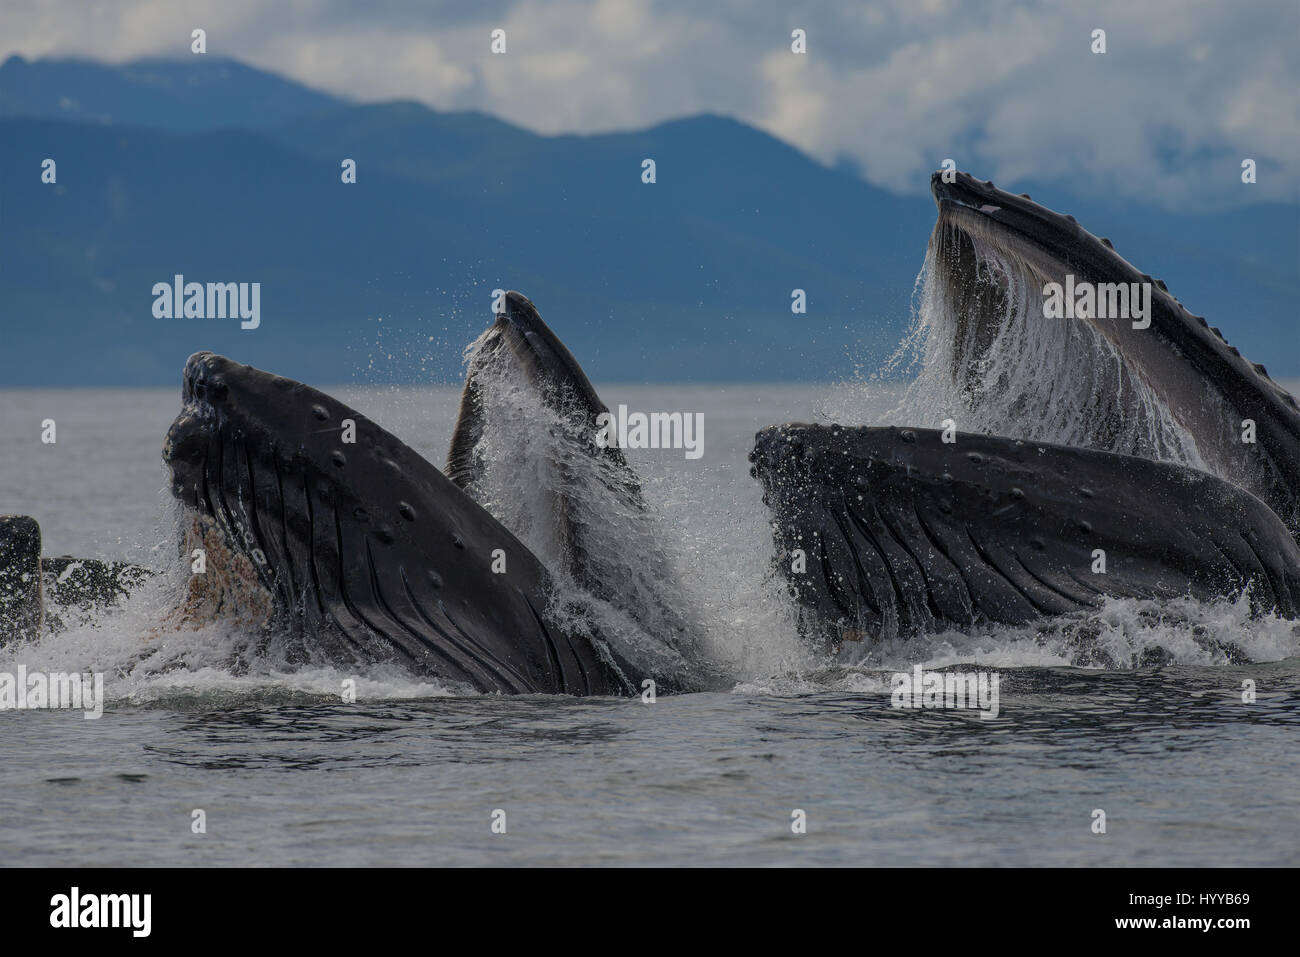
pixel 1009 89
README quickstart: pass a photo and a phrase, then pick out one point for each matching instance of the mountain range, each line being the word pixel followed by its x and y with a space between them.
pixel 219 172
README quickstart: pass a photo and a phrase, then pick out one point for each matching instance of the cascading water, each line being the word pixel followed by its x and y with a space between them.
pixel 984 355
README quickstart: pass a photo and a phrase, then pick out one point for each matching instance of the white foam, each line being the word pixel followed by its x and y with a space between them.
pixel 144 659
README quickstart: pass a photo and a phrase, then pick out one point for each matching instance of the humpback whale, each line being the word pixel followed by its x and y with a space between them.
pixel 530 566
pixel 363 551
pixel 1153 495
pixel 525 448
pixel 336 542
pixel 22 609
pixel 533 565
pixel 54 593
pixel 906 533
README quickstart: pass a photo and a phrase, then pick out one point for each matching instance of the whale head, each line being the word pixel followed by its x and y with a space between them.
pixel 519 353
pixel 903 532
pixel 1039 328
pixel 349 540
pixel 525 446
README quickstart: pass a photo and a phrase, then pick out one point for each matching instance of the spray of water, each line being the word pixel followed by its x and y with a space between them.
pixel 1124 634
pixel 150 657
pixel 621 578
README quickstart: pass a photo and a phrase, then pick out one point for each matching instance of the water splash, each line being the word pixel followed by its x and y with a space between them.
pixel 146 660
pixel 1125 634
pixel 620 575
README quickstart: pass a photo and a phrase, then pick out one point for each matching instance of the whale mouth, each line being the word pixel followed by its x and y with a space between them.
pixel 901 533
pixel 229 453
pixel 1048 242
pixel 1066 435
pixel 215 473
pixel 256 462
pixel 540 352
pixel 991 254
pixel 359 550
pixel 1005 356
pixel 1034 327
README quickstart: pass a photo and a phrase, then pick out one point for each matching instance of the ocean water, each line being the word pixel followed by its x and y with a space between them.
pixel 285 772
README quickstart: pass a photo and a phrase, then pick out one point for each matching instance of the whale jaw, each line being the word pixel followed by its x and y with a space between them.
pixel 904 533
pixel 367 552
pixel 1154 380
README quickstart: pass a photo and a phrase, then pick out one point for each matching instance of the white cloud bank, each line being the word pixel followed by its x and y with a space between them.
pixel 1011 90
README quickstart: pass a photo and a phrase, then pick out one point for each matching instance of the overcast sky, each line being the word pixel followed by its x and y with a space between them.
pixel 1010 90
